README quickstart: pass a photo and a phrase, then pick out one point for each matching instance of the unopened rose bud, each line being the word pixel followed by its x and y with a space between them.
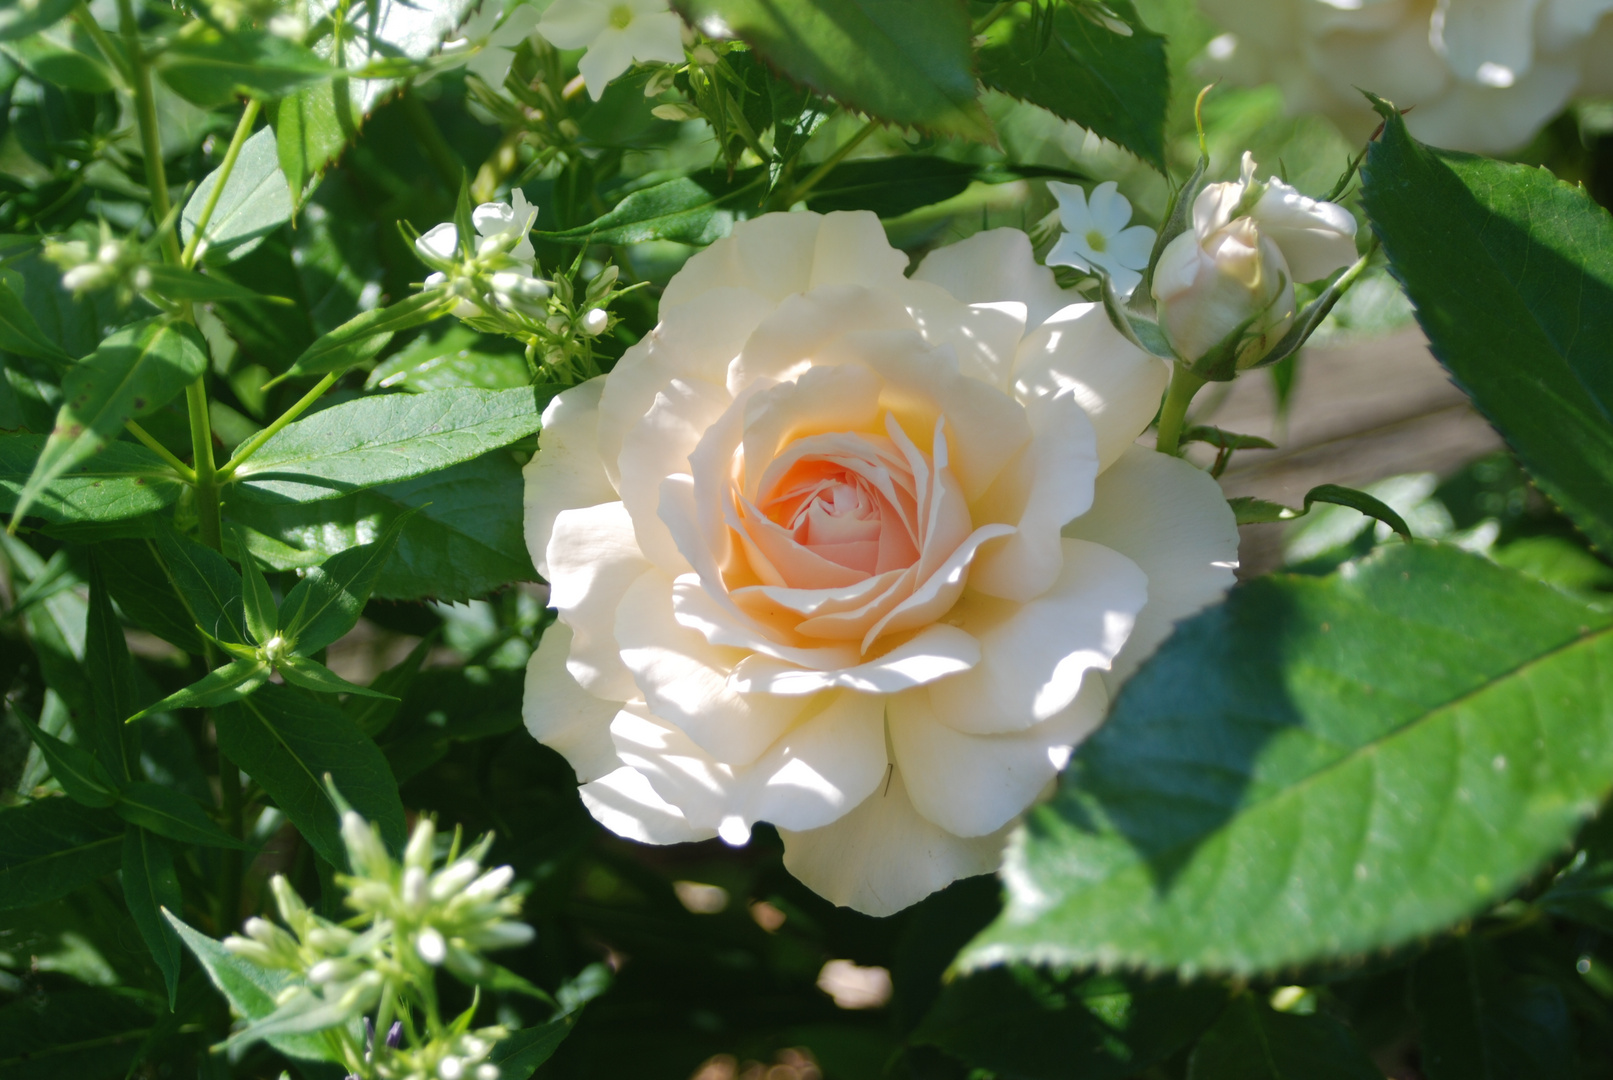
pixel 594 323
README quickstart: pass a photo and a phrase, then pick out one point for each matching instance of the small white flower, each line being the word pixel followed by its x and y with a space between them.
pixel 440 244
pixel 616 33
pixel 501 28
pixel 431 946
pixel 1096 234
pixel 594 323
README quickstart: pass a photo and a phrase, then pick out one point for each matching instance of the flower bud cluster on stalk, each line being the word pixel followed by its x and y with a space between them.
pixel 412 919
pixel 491 269
pixel 110 263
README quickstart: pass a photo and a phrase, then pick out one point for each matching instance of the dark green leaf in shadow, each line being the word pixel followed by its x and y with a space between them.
pixel 329 599
pixel 206 582
pixel 149 886
pixel 210 68
pixel 170 813
pixel 83 1034
pixel 49 847
pixel 1477 1019
pixel 83 778
pixel 124 480
pixel 1252 1042
pixel 19 333
pixel 696 209
pixel 111 675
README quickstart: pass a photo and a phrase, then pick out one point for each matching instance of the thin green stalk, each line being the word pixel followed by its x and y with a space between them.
pixel 201 445
pixel 255 443
pixel 992 16
pixel 249 117
pixel 145 109
pixel 185 472
pixel 1172 417
pixel 814 177
pixel 103 41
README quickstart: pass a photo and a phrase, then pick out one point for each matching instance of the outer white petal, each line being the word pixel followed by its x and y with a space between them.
pixel 657 446
pixel 997 264
pixel 440 241
pixel 1316 238
pixel 595 558
pixel 626 804
pixel 973 785
pixel 810 776
pixel 562 715
pixel 1489 42
pixel 1117 384
pixel 883 856
pixel 1172 520
pixel 656 37
pixel 685 680
pixel 573 24
pixel 610 54
pixel 1052 482
pixel 1035 657
pixel 566 473
pixel 936 652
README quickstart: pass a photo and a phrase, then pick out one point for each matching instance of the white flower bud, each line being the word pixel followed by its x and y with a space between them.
pixel 86 277
pixel 491 883
pixel 487 1071
pixel 594 323
pixel 501 935
pixel 364 848
pixel 472 1047
pixel 421 845
pixel 451 1068
pixel 415 890
pixel 110 252
pixel 328 971
pixel 141 278
pixel 430 945
pixel 450 881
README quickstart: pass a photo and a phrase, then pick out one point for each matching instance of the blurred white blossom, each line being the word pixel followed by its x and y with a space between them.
pixel 616 33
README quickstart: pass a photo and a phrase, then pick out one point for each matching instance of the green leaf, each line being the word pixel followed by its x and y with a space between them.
pixel 124 480
pixel 262 614
pixel 87 1034
pixel 52 58
pixel 312 126
pixel 20 20
pixel 1251 1042
pixel 142 590
pixel 520 1054
pixel 1262 792
pixel 1020 1023
pixel 19 333
pixel 465 538
pixel 1113 84
pixel 50 847
pixel 207 584
pixel 83 778
pixel 173 814
pixel 906 63
pixel 134 372
pixel 176 283
pixel 365 334
pixel 373 713
pixel 111 676
pixel 1252 511
pixel 389 437
pixel 891 186
pixel 1511 273
pixel 327 602
pixel 457 356
pixel 209 68
pixel 254 203
pixel 250 989
pixel 287 742
pixel 149 886
pixel 1475 1019
pixel 696 209
pixel 231 682
pixel 312 675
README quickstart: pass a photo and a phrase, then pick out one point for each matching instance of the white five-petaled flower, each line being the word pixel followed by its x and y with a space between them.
pixel 616 33
pixel 1096 234
pixel 858 554
pixel 501 230
pixel 499 28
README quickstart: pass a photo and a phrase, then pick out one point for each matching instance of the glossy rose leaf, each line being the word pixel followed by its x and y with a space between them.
pixel 1320 767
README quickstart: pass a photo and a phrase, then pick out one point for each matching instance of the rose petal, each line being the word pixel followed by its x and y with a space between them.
pixel 986 335
pixel 973 785
pixel 658 445
pixel 1034 657
pixel 1172 520
pixel 566 472
pixel 562 715
pixel 1117 384
pixel 934 653
pixel 595 558
pixel 626 804
pixel 828 763
pixel 797 333
pixel 685 680
pixel 997 264
pixel 1048 485
pixel 882 856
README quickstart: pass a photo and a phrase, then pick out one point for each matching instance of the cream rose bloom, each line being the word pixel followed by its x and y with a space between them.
pixel 856 554
pixel 1483 75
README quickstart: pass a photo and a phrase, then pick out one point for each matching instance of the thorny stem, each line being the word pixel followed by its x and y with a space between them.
pixel 255 443
pixel 185 472
pixel 1184 384
pixel 816 176
pixel 249 116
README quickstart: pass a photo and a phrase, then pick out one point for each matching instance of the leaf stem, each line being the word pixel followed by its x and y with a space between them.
pixel 103 41
pixel 992 16
pixel 255 443
pixel 201 445
pixel 186 473
pixel 145 108
pixel 249 117
pixel 1172 416
pixel 813 178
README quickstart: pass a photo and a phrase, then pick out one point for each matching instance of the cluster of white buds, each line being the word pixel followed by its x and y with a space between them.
pixel 111 263
pixel 497 290
pixel 457 1056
